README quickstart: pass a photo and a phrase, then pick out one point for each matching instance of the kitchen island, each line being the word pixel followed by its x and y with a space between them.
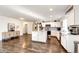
pixel 39 36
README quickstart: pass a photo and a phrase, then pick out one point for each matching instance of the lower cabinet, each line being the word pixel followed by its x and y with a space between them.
pixel 39 36
pixel 67 42
pixel 42 36
pixel 64 41
pixel 34 36
pixel 9 35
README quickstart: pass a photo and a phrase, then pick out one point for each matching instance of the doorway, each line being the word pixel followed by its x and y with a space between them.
pixel 25 29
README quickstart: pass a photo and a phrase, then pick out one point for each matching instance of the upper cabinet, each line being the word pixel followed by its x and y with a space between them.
pixel 70 16
pixel 52 24
pixel 76 10
pixel 56 24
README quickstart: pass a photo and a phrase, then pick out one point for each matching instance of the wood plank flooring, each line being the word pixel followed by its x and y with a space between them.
pixel 24 44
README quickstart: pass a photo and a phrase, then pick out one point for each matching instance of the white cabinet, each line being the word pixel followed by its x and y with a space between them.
pixel 53 24
pixel 8 35
pixel 0 36
pixel 67 42
pixel 34 36
pixel 40 36
pixel 5 35
pixel 64 41
pixel 76 9
pixel 70 44
pixel 70 17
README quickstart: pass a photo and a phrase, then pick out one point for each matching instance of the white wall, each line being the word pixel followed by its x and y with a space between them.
pixel 4 25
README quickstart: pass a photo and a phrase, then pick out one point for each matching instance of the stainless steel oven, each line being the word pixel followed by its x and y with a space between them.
pixel 48 26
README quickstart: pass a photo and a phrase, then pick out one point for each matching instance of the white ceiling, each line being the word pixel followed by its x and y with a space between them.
pixel 33 12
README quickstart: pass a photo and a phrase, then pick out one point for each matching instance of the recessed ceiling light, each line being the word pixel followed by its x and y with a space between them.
pixel 50 9
pixel 22 18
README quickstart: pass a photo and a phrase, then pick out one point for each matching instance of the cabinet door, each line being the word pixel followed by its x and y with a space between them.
pixel 42 36
pixel 70 18
pixel 7 35
pixel 76 7
pixel 55 24
pixel 34 36
pixel 17 33
pixel 64 41
pixel 70 42
pixel 3 35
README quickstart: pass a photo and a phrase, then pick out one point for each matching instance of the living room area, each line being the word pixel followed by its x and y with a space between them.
pixel 39 28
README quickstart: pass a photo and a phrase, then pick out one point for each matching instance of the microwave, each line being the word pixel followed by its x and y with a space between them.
pixel 74 29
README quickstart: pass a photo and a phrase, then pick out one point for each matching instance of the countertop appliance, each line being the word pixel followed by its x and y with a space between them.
pixel 74 29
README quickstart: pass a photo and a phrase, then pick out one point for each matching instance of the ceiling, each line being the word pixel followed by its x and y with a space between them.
pixel 33 12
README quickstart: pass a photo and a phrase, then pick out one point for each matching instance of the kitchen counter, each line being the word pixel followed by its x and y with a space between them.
pixel 67 41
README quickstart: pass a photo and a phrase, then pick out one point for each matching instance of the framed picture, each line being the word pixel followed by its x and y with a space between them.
pixel 11 27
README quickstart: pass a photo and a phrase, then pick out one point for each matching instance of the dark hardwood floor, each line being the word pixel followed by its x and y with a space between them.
pixel 24 44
